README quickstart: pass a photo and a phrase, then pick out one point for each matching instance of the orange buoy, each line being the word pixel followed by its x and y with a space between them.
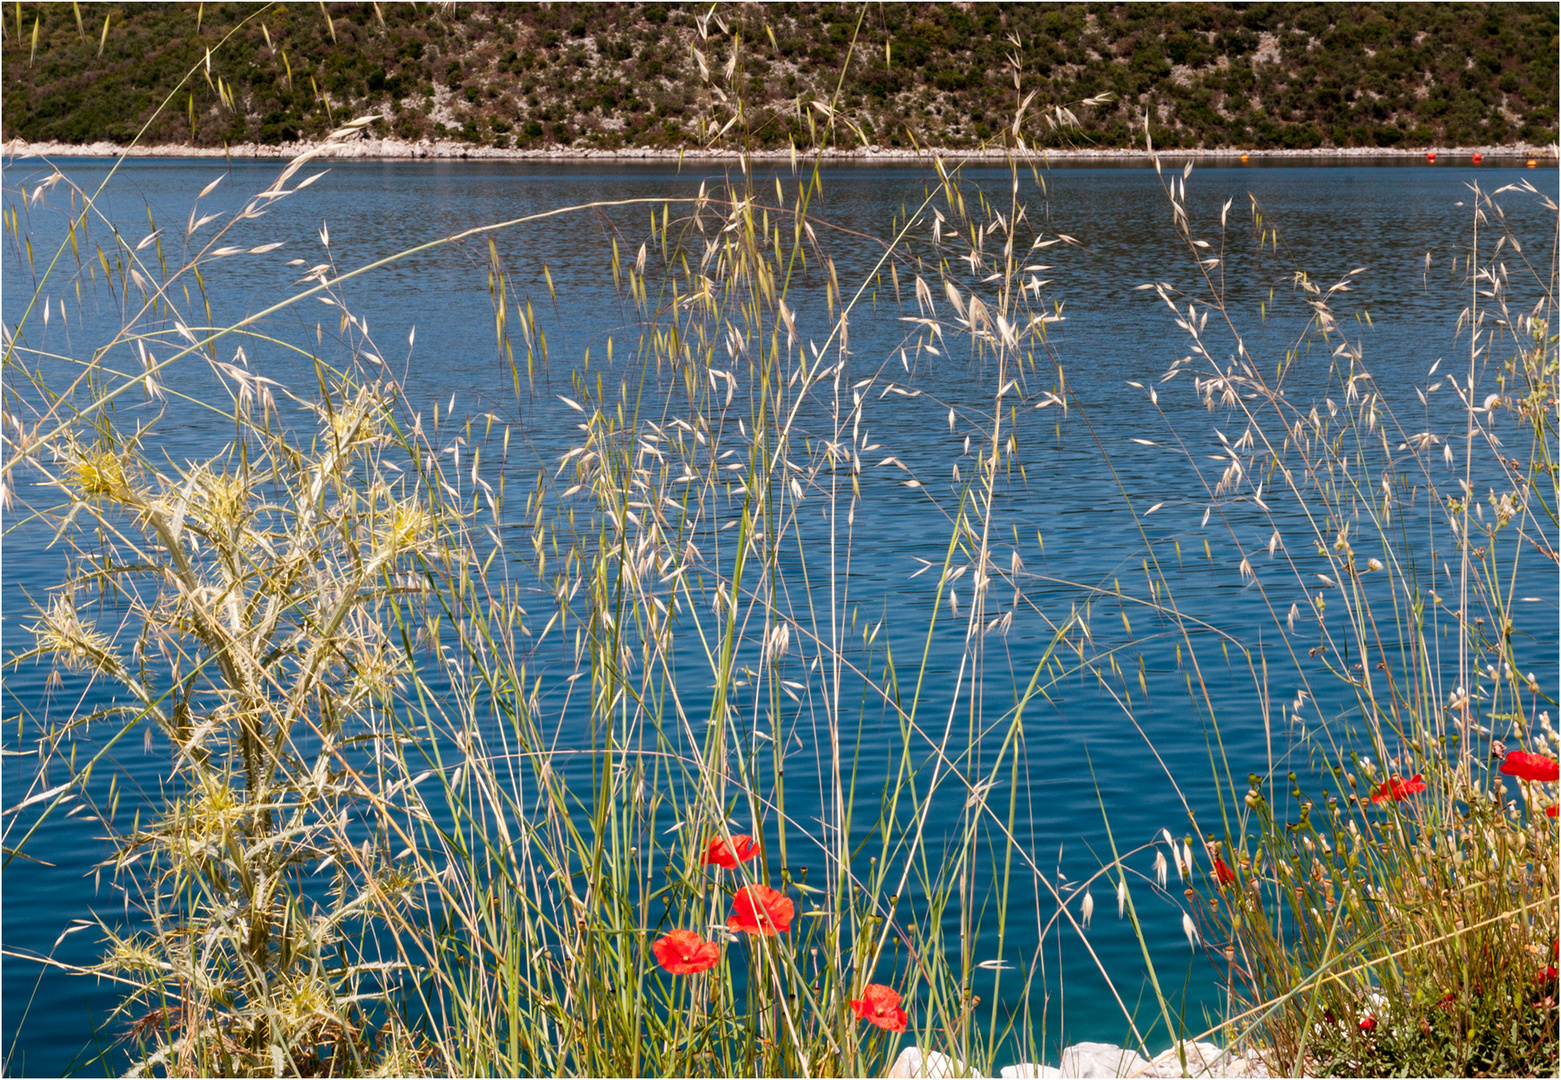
pixel 1431 156
pixel 1478 158
pixel 1532 163
pixel 1243 157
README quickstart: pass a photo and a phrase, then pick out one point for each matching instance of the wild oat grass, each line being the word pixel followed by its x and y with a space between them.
pixel 1389 907
pixel 390 845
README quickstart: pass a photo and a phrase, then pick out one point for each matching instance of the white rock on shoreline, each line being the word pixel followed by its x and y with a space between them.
pixel 1092 1060
pixel 400 149
pixel 1101 1059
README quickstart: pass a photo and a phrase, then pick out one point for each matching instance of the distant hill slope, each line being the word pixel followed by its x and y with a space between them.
pixel 1263 75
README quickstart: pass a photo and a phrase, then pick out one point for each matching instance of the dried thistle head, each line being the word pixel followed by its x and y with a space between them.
pixel 406 526
pixel 222 499
pixel 306 1002
pixel 136 954
pixel 61 632
pixel 210 812
pixel 378 667
pixel 97 474
pixel 353 420
pixel 350 426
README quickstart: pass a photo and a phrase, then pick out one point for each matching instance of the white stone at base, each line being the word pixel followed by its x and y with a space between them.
pixel 1100 1059
pixel 1092 1060
pixel 913 1063
pixel 1206 1059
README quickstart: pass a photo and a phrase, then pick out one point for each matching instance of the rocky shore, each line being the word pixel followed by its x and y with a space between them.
pixel 401 150
pixel 1090 1059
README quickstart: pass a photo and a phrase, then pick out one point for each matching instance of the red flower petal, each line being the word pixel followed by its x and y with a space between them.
pixel 1552 810
pixel 1222 873
pixel 1369 1024
pixel 1398 789
pixel 1527 766
pixel 727 855
pixel 683 952
pixel 757 909
pixel 879 1005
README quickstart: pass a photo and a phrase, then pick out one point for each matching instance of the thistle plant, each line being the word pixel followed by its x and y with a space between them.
pixel 254 591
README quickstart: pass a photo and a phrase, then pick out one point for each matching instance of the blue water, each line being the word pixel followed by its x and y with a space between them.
pixel 1076 516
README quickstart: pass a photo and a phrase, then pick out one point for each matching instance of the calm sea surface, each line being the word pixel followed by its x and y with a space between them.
pixel 1071 517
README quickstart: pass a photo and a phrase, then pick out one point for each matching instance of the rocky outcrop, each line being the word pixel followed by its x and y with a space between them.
pixel 1089 1059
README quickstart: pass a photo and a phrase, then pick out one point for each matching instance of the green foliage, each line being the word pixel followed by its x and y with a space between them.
pixel 1210 75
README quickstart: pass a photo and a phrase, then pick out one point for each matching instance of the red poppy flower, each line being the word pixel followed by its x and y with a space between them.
pixel 757 909
pixel 683 952
pixel 1552 810
pixel 1531 767
pixel 1546 974
pixel 1222 873
pixel 727 854
pixel 1398 789
pixel 880 1006
pixel 1369 1024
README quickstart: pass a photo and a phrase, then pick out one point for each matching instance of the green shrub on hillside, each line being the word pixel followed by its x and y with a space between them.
pixel 1207 75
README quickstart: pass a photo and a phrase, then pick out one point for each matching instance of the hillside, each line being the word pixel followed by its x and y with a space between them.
pixel 611 76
